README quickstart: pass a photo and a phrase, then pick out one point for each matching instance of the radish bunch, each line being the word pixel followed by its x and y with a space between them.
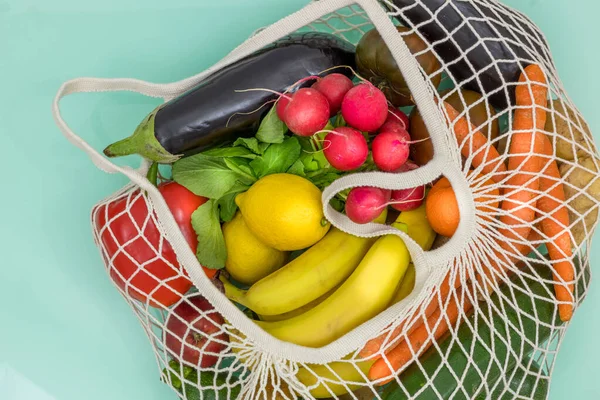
pixel 365 110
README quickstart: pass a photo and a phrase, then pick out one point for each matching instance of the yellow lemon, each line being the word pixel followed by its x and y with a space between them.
pixel 284 211
pixel 248 259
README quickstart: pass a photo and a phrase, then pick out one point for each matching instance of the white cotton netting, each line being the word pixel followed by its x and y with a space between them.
pixel 483 318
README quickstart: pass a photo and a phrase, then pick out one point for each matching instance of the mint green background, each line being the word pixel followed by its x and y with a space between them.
pixel 63 327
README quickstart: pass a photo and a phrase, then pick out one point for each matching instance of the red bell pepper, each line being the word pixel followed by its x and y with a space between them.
pixel 141 262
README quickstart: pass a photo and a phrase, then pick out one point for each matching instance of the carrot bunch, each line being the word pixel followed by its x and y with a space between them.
pixel 531 186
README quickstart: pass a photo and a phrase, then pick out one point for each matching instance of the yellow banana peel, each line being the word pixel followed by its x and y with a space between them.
pixel 366 293
pixel 334 376
pixel 416 225
pixel 306 278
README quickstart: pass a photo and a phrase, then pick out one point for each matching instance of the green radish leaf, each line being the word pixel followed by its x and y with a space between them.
pixel 312 153
pixel 328 127
pixel 324 178
pixel 242 167
pixel 211 251
pixel 250 144
pixel 278 158
pixel 321 160
pixel 230 152
pixel 271 129
pixel 310 165
pixel 263 147
pixel 339 120
pixel 227 206
pixel 337 204
pixel 297 168
pixel 206 176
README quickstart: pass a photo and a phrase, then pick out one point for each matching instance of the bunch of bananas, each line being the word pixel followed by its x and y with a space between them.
pixel 336 285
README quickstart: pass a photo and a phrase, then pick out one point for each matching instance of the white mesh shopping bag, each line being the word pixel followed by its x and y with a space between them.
pixel 489 306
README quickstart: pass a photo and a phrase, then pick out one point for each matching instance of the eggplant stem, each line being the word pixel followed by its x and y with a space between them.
pixel 142 142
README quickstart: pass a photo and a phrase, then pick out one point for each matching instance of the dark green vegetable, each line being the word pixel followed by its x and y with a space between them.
pixel 523 383
pixel 375 62
pixel 529 309
pixel 215 112
pixel 210 386
pixel 484 41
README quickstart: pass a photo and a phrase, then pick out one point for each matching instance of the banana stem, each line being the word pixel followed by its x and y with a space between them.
pixel 232 292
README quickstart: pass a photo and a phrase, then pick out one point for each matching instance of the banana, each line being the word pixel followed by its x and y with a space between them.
pixel 332 373
pixel 297 311
pixel 367 292
pixel 407 284
pixel 416 225
pixel 306 278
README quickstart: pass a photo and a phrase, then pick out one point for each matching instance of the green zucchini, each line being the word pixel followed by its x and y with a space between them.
pixel 524 384
pixel 210 386
pixel 435 371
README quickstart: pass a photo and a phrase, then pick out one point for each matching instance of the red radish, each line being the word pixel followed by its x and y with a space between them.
pixel 391 125
pixel 307 112
pixel 407 199
pixel 345 148
pixel 391 149
pixel 334 87
pixel 282 103
pixel 365 107
pixel 398 116
pixel 407 166
pixel 366 203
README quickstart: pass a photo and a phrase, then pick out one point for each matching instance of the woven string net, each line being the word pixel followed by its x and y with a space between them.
pixel 484 320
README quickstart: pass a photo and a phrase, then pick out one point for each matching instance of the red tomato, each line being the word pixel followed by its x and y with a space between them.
pixel 141 262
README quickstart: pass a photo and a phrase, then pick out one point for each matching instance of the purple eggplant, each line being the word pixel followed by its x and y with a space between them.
pixel 215 112
pixel 484 43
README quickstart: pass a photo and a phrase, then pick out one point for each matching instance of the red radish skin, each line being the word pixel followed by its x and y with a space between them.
pixel 365 107
pixel 334 87
pixel 366 203
pixel 391 149
pixel 345 148
pixel 280 107
pixel 392 126
pixel 408 166
pixel 307 112
pixel 398 116
pixel 408 199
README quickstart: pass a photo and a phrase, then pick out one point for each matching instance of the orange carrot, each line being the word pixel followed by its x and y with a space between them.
pixel 478 144
pixel 525 150
pixel 556 229
pixel 524 166
pixel 418 334
pixel 419 340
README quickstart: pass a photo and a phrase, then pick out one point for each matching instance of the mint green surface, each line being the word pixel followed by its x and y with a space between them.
pixel 65 332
